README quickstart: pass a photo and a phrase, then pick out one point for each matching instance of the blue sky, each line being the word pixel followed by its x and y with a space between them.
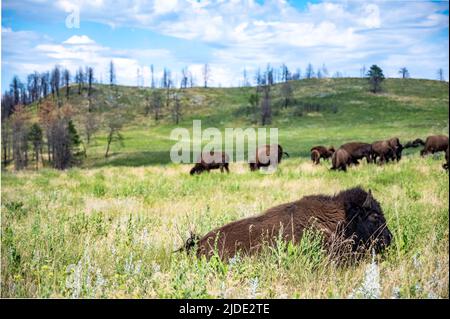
pixel 228 35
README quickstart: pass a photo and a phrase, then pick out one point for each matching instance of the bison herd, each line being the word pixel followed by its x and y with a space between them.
pixel 352 216
pixel 348 154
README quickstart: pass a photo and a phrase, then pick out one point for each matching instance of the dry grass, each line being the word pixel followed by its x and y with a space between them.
pixel 109 232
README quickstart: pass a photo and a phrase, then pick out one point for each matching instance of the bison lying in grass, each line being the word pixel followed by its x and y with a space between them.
pixel 267 155
pixel 434 144
pixel 318 152
pixel 353 215
pixel 208 161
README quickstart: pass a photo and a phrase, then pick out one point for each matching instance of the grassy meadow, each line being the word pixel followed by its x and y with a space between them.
pixel 108 228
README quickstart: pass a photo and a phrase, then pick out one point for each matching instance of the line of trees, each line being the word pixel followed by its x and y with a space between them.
pixel 54 128
pixel 22 135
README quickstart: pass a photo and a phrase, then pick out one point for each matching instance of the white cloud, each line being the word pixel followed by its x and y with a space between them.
pixel 371 17
pixel 164 6
pixel 25 57
pixel 344 35
pixel 79 39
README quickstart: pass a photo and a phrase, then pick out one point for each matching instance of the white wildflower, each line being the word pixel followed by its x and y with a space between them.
pixel 370 288
pixel 254 282
pixel 396 293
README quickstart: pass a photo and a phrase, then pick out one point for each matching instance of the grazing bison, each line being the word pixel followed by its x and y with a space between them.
pixel 353 215
pixel 383 150
pixel 357 151
pixel 318 152
pixel 211 160
pixel 416 143
pixel 267 155
pixel 340 160
pixel 397 147
pixel 434 144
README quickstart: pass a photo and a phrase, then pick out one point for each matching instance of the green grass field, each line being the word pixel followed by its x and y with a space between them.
pixel 108 227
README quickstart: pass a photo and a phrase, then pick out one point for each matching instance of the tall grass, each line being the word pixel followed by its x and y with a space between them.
pixel 111 232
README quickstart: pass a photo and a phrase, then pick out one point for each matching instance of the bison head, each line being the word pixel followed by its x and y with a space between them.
pixel 368 225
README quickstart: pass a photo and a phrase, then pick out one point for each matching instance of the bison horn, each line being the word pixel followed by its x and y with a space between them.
pixel 369 200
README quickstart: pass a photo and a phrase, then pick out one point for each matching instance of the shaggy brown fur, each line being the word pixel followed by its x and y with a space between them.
pixel 315 157
pixel 353 214
pixel 267 155
pixel 318 152
pixel 357 151
pixel 340 160
pixel 434 144
pixel 397 147
pixel 208 161
pixel 383 150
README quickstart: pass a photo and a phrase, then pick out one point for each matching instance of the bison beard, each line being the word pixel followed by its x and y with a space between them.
pixel 353 214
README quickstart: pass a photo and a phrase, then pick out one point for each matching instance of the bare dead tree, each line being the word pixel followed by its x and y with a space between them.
pixel 286 93
pixel 152 71
pixel 79 79
pixel 309 73
pixel 114 124
pixel 36 139
pixel 176 110
pixel 112 73
pixel 404 72
pixel 184 78
pixel 266 111
pixel 91 126
pixel 90 79
pixel 20 127
pixel 6 140
pixel 206 72
pixel 66 78
pixel 440 74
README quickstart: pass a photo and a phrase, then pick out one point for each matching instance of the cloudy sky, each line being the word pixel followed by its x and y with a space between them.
pixel 228 35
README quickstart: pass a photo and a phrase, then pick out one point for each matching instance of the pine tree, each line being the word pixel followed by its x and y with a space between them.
pixel 375 76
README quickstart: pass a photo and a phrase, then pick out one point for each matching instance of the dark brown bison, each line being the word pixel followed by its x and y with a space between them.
pixel 267 155
pixel 357 151
pixel 416 143
pixel 434 144
pixel 211 160
pixel 383 150
pixel 397 147
pixel 445 165
pixel 340 160
pixel 353 215
pixel 318 152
